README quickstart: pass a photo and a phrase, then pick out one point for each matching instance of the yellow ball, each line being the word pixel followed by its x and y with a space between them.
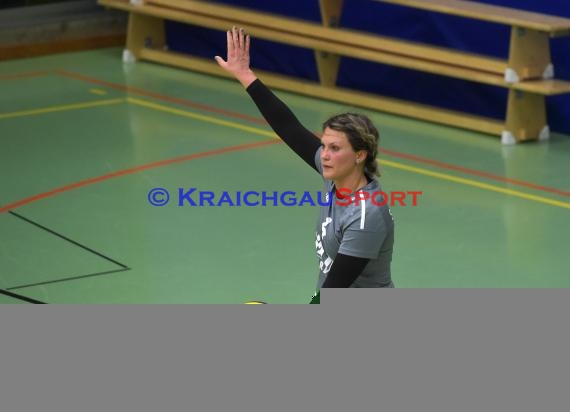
pixel 255 302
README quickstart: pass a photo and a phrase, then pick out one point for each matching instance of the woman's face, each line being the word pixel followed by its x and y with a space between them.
pixel 337 156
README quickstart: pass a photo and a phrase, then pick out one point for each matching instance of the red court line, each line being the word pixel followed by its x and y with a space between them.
pixel 393 153
pixel 473 172
pixel 22 75
pixel 157 96
pixel 136 169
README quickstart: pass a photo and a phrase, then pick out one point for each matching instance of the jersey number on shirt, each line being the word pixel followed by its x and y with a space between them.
pixel 325 262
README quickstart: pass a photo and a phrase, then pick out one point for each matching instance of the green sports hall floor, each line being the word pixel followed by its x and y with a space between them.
pixel 83 139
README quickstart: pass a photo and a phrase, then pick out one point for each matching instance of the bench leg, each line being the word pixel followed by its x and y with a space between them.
pixel 529 56
pixel 327 63
pixel 143 32
pixel 327 66
pixel 526 118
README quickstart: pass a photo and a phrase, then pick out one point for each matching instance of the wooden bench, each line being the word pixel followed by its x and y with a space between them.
pixel 529 58
pixel 526 73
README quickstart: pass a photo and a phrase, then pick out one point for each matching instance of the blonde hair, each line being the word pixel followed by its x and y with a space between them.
pixel 361 134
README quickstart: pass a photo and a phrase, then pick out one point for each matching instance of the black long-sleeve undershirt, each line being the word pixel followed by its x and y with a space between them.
pixel 302 141
pixel 344 271
pixel 285 123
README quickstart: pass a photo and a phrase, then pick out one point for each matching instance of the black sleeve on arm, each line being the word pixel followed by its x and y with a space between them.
pixel 344 271
pixel 284 122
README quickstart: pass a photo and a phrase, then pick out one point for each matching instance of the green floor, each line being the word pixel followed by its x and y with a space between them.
pixel 70 118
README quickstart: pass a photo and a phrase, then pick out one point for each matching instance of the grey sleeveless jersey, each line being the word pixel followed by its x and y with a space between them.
pixel 365 230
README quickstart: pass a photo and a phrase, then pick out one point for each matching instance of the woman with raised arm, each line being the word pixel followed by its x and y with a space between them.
pixel 354 235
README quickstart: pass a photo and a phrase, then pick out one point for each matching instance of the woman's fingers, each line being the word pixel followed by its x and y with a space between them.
pixel 235 38
pixel 241 39
pixel 238 49
pixel 221 61
pixel 230 42
pixel 237 62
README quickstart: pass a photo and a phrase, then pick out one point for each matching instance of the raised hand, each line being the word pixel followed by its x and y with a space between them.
pixel 237 62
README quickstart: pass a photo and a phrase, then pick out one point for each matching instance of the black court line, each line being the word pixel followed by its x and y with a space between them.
pixel 47 282
pixel 68 239
pixel 20 297
pixel 123 267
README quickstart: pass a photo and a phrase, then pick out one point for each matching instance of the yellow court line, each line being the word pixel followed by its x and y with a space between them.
pixel 60 108
pixel 202 117
pixel 100 92
pixel 437 175
pixel 475 183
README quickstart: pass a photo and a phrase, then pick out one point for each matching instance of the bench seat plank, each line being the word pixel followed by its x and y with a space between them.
pixel 554 25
